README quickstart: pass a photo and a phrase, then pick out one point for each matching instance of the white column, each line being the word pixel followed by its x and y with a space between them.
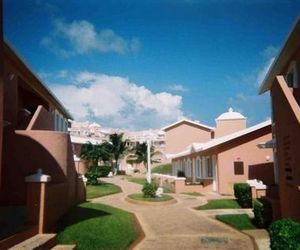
pixel 194 169
pixel 215 173
pixel 203 166
pixel 149 161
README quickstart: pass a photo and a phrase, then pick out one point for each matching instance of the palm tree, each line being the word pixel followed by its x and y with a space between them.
pixel 140 152
pixel 117 147
pixel 94 153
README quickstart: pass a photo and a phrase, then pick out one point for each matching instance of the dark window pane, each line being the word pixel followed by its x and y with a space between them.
pixel 238 167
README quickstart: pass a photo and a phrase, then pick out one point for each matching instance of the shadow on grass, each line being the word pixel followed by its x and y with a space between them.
pixel 79 214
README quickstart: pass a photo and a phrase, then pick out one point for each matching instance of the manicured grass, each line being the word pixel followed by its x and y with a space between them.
pixel 101 190
pixel 194 194
pixel 97 226
pixel 238 221
pixel 220 204
pixel 163 169
pixel 140 197
pixel 136 180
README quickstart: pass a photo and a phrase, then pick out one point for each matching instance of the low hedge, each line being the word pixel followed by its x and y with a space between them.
pixel 262 210
pixel 285 235
pixel 242 192
pixel 149 189
pixel 96 172
pixel 104 170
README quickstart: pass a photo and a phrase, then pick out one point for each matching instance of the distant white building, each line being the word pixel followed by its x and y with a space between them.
pixel 84 132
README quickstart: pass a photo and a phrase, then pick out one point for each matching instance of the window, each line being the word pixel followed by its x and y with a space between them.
pixel 291 76
pixel 60 123
pixel 189 170
pixel 209 168
pixel 198 168
pixel 238 167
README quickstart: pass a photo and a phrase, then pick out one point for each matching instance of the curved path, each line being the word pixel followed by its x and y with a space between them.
pixel 176 226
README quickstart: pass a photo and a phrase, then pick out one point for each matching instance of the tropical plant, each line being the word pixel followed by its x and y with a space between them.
pixel 117 147
pixel 149 189
pixel 140 153
pixel 95 152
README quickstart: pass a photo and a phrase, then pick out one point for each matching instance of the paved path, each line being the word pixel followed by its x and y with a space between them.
pixel 176 226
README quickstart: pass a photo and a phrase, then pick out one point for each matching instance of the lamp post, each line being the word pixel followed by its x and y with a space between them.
pixel 148 160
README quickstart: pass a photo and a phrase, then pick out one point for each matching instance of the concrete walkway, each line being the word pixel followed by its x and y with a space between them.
pixel 176 226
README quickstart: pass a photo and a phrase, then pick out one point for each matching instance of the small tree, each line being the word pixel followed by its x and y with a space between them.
pixel 140 153
pixel 94 153
pixel 117 147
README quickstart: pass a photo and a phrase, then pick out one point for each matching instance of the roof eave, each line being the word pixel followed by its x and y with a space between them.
pixel 22 61
pixel 286 51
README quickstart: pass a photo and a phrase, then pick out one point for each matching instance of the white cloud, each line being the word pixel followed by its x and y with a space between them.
pixel 178 88
pixel 263 72
pixel 117 102
pixel 270 51
pixel 62 73
pixel 81 37
pixel 269 54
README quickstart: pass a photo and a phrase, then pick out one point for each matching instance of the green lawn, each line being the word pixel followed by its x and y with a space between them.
pixel 163 169
pixel 220 204
pixel 194 194
pixel 238 221
pixel 140 197
pixel 101 190
pixel 97 226
pixel 136 180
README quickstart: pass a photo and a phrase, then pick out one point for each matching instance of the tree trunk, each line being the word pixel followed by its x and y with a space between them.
pixel 116 166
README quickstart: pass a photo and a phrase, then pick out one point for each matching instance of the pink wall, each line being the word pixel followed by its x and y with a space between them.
pixel 247 152
pixel 286 116
pixel 41 120
pixel 29 150
pixel 180 136
pixel 242 149
pixel 225 127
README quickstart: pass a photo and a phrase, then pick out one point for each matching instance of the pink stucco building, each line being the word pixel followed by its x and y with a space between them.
pixel 283 82
pixel 184 132
pixel 232 156
pixel 38 180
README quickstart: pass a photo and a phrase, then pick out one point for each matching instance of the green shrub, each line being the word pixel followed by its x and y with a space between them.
pixel 262 210
pixel 163 169
pixel 92 177
pixel 242 192
pixel 104 171
pixel 149 189
pixel 285 235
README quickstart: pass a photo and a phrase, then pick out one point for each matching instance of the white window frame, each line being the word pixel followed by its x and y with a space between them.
pixel 209 160
pixel 188 172
pixel 292 69
pixel 198 167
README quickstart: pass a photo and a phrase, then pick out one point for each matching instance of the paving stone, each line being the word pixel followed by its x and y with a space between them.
pixel 176 226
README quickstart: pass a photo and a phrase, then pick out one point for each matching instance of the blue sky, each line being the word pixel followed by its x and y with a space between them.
pixel 144 64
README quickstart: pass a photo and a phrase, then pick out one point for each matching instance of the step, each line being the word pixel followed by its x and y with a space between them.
pixel 64 247
pixel 37 242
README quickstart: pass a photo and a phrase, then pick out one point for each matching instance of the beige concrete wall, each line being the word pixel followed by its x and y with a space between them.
pixel 225 127
pixel 247 152
pixel 179 137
